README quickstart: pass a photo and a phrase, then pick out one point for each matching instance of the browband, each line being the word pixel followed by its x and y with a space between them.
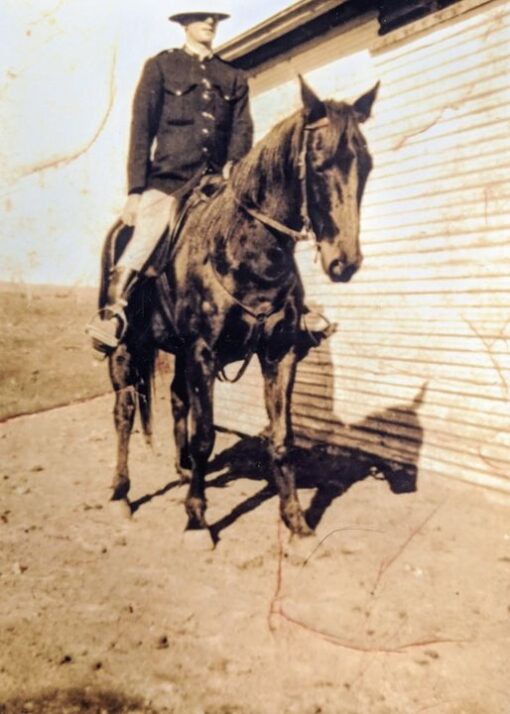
pixel 319 124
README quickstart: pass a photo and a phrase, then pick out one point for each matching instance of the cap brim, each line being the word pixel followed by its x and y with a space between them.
pixel 183 17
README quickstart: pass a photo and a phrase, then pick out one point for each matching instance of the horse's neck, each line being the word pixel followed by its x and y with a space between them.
pixel 277 189
pixel 283 204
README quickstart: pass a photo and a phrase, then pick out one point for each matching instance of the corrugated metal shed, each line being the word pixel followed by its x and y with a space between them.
pixel 419 370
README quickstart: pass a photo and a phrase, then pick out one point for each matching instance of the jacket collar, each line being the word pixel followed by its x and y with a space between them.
pixel 193 52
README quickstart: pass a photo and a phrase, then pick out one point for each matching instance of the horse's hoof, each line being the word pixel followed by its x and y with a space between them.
pixel 198 540
pixel 120 489
pixel 304 531
pixel 120 509
pixel 301 547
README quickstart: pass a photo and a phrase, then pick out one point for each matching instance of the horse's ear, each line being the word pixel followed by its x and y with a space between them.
pixel 314 107
pixel 363 105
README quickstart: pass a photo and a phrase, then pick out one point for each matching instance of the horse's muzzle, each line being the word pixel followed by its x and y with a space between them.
pixel 339 272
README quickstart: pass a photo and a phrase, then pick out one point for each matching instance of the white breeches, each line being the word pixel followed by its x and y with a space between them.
pixel 156 211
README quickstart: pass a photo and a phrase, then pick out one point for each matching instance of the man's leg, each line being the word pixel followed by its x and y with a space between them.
pixel 156 211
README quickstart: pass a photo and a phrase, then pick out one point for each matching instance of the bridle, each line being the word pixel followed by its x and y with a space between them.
pixel 307 232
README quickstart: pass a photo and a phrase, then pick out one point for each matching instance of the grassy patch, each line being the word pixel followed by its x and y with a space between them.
pixel 46 359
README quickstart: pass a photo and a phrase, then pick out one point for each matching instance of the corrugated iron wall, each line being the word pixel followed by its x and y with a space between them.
pixel 419 370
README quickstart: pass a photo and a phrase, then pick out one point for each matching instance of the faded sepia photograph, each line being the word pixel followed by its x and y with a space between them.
pixel 255 366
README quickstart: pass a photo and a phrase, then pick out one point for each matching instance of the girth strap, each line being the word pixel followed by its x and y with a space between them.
pixel 222 375
pixel 260 317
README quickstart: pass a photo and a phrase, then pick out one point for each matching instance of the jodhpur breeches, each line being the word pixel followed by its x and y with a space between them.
pixel 156 211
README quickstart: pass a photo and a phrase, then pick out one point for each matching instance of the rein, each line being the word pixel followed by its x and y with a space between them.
pixel 306 233
pixel 303 234
pixel 260 317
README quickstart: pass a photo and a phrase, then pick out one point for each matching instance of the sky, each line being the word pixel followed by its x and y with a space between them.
pixel 68 69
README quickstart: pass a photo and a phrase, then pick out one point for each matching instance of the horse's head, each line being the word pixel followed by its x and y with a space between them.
pixel 337 164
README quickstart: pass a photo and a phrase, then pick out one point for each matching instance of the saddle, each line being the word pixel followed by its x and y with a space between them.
pixel 187 197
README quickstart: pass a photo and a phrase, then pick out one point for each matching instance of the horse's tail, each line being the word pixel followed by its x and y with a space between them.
pixel 146 367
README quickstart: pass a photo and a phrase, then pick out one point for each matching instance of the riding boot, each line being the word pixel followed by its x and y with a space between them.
pixel 109 326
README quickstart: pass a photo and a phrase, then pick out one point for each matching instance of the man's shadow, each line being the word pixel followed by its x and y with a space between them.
pixel 330 470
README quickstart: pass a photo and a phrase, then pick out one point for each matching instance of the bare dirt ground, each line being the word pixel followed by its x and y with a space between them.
pixel 401 605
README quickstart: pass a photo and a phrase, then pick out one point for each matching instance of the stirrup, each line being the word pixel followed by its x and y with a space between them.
pixel 327 327
pixel 104 340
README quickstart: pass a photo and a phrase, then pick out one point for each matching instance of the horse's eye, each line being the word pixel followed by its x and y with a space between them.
pixel 345 161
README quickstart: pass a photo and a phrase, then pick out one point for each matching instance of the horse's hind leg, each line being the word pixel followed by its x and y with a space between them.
pixel 278 384
pixel 200 380
pixel 180 410
pixel 123 380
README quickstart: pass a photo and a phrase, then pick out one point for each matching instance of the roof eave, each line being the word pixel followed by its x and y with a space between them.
pixel 275 28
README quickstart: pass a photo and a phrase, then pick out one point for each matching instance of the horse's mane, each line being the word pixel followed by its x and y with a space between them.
pixel 270 166
pixel 271 162
pixel 268 170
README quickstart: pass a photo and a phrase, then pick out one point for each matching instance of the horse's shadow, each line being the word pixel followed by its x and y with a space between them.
pixel 331 471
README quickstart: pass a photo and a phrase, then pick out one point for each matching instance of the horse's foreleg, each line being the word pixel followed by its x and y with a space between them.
pixel 200 374
pixel 180 409
pixel 123 381
pixel 278 384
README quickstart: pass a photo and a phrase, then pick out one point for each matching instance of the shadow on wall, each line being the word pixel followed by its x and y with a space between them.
pixel 330 469
pixel 393 436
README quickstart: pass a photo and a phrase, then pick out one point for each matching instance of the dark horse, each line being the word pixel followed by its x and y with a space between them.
pixel 231 289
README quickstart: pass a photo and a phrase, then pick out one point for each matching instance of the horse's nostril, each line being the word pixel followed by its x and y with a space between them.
pixel 339 272
pixel 336 269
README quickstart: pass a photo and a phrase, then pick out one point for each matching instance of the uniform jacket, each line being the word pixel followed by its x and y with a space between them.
pixel 188 114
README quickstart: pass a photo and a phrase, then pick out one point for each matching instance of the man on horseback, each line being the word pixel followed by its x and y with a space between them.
pixel 191 117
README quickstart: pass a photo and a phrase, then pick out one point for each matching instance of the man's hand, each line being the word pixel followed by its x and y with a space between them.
pixel 130 209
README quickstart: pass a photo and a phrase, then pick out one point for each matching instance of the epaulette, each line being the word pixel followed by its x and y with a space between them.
pixel 166 52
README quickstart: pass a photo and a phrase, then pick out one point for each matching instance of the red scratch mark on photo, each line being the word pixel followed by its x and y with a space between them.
pixel 277 611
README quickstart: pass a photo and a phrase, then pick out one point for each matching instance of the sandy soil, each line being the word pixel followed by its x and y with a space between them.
pixel 401 605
